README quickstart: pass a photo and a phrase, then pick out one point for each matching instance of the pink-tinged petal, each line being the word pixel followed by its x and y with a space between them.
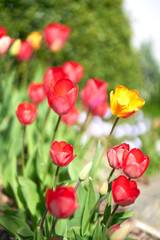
pixel 132 170
pixel 73 70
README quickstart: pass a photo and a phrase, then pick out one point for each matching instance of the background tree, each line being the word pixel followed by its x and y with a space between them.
pixel 100 37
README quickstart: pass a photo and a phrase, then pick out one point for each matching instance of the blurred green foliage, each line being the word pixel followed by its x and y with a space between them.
pixel 100 37
pixel 151 72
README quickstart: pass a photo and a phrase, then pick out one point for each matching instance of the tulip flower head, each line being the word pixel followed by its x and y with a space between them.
pixel 25 52
pixel 36 92
pixel 100 110
pixel 34 39
pixel 73 70
pixel 116 156
pixel 94 93
pixel 3 32
pixel 61 203
pixel 56 35
pixel 117 232
pixel 62 96
pixel 124 102
pixel 5 42
pixel 15 48
pixel 124 191
pixel 71 117
pixel 61 153
pixel 135 163
pixel 53 75
pixel 26 113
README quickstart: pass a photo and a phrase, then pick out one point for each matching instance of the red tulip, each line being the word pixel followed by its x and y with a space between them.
pixel 71 117
pixel 3 32
pixel 100 110
pixel 26 113
pixel 73 70
pixel 62 96
pixel 117 155
pixel 61 153
pixel 56 35
pixel 135 163
pixel 5 42
pixel 25 52
pixel 94 93
pixel 36 92
pixel 53 75
pixel 61 203
pixel 124 191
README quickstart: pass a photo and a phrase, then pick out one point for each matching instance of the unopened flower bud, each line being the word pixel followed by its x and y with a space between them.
pixel 119 233
pixel 85 172
pixel 14 50
pixel 103 190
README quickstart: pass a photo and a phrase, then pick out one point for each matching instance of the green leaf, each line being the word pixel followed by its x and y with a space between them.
pixel 77 236
pixel 98 231
pixel 74 169
pixel 38 235
pixel 61 227
pixel 12 223
pixel 107 211
pixel 95 160
pixel 121 216
pixel 30 193
pixel 90 202
pixel 25 233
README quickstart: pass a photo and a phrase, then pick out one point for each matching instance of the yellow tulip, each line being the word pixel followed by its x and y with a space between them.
pixel 34 39
pixel 124 102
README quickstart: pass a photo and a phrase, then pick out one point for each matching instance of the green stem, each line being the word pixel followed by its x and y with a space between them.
pixel 91 214
pixel 45 122
pixel 56 127
pixel 110 175
pixel 55 179
pixel 109 220
pixel 54 134
pixel 43 218
pixel 106 144
pixel 77 185
pixel 23 146
pixel 52 228
pixel 54 186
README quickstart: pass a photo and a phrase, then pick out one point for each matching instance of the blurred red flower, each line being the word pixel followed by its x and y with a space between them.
pixel 71 117
pixel 100 110
pixel 56 35
pixel 73 70
pixel 25 52
pixel 61 203
pixel 36 92
pixel 3 31
pixel 94 93
pixel 26 113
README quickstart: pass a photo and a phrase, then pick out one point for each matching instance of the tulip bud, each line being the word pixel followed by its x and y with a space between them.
pixel 85 172
pixel 103 190
pixel 120 233
pixel 14 50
